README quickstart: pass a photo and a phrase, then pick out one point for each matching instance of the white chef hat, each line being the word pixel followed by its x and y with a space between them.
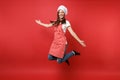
pixel 62 7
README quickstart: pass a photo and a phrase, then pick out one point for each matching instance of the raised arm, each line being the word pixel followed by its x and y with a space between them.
pixel 76 37
pixel 43 24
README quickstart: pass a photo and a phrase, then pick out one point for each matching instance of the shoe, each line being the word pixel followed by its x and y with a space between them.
pixel 67 62
pixel 76 53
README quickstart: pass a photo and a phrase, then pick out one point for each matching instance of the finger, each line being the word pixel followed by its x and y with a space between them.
pixel 84 45
pixel 36 20
pixel 82 41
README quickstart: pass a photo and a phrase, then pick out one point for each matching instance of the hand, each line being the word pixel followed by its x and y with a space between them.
pixel 38 22
pixel 82 43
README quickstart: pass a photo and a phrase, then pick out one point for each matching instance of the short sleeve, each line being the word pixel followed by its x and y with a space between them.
pixel 68 23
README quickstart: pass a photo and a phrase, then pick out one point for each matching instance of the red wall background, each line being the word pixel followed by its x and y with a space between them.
pixel 24 45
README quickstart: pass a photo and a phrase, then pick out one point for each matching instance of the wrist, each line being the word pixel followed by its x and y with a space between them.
pixel 80 41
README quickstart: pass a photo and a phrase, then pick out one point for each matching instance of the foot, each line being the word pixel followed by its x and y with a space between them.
pixel 76 53
pixel 67 62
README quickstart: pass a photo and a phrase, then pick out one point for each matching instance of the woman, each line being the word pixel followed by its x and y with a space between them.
pixel 57 49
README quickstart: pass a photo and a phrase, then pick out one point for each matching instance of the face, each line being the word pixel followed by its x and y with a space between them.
pixel 61 14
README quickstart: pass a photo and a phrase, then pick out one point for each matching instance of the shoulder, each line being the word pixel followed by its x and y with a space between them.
pixel 68 23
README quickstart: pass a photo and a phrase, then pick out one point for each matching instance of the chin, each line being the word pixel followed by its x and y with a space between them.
pixel 61 17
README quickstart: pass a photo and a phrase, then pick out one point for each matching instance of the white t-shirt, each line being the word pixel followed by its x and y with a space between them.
pixel 65 26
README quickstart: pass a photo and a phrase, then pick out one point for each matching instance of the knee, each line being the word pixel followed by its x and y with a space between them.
pixel 59 61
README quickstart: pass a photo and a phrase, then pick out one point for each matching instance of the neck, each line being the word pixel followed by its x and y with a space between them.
pixel 61 19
